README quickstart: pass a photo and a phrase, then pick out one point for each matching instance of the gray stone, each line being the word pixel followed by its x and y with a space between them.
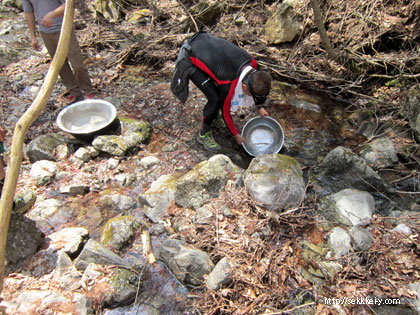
pixel 23 238
pixel 220 275
pixel 82 154
pixel 349 206
pixel 118 201
pixel 342 169
pixel 402 228
pixel 411 110
pixel 362 239
pixel 95 252
pixel 69 240
pixel 203 215
pixel 188 265
pixel 149 161
pixel 50 214
pixel 158 197
pixel 275 181
pixel 380 152
pixel 339 242
pixel 43 172
pixel 75 189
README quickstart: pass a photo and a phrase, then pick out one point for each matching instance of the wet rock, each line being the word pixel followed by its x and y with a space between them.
pixel 306 105
pixel 23 239
pixel 42 148
pixel 349 206
pixel 339 242
pixel 188 265
pixel 275 181
pixel 380 152
pixel 220 275
pixel 361 239
pixel 118 201
pixel 43 172
pixel 205 181
pixel 161 294
pixel 341 169
pixel 118 231
pixel 95 252
pixel 282 26
pixel 158 197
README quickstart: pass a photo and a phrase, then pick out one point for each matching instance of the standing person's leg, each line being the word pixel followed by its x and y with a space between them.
pixel 206 84
pixel 66 74
pixel 76 60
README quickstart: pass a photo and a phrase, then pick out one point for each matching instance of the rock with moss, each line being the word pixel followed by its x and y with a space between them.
pixel 205 181
pixel 44 146
pixel 118 231
pixel 282 27
pixel 112 144
pixel 123 286
pixel 158 197
pixel 275 181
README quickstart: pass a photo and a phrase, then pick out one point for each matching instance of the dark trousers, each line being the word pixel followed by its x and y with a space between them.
pixel 215 94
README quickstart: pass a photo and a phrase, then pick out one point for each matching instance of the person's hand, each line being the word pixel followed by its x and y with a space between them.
pixel 263 112
pixel 48 19
pixel 35 44
pixel 239 139
pixel 2 134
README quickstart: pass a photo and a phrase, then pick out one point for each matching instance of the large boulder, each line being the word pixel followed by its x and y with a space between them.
pixel 205 181
pixel 342 169
pixel 275 181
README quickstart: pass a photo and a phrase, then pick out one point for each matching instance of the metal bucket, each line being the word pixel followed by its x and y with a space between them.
pixel 262 136
pixel 88 118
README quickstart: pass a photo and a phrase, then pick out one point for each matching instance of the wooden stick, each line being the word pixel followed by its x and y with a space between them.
pixel 147 247
pixel 22 126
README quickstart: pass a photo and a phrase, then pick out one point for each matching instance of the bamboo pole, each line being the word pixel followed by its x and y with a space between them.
pixel 22 126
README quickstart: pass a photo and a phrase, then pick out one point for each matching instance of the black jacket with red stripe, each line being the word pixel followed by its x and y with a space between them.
pixel 219 58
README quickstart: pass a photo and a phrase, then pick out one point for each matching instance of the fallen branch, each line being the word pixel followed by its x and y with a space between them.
pixel 22 127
